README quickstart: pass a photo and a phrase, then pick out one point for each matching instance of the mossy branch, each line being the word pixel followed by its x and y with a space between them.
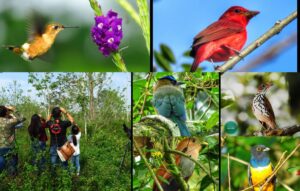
pixel 278 26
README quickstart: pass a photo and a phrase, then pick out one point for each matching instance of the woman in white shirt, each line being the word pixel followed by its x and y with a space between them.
pixel 75 139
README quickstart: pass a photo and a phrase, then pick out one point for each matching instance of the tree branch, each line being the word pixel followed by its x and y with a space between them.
pixel 286 131
pixel 279 25
pixel 270 53
pixel 173 167
pixel 195 161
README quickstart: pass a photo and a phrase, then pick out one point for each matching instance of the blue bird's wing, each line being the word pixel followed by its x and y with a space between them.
pixel 178 107
pixel 169 102
pixel 162 105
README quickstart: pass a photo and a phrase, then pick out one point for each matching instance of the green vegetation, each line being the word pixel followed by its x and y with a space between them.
pixel 239 147
pixel 100 118
pixel 201 92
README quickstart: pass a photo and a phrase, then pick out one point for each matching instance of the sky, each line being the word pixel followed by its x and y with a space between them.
pixel 119 80
pixel 176 22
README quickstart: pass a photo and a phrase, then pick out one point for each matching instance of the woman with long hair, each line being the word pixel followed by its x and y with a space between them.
pixel 38 138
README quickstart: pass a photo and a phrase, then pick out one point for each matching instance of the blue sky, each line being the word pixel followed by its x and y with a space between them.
pixel 176 22
pixel 119 80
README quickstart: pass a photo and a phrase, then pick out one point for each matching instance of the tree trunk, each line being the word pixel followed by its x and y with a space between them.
pixel 91 94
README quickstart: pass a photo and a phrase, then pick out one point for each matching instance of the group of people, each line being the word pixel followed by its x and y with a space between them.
pixel 10 120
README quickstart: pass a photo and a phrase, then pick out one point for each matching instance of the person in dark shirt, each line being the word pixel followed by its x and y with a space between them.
pixel 58 130
pixel 38 138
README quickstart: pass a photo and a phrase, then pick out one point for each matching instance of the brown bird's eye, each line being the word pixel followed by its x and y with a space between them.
pixel 56 27
pixel 237 10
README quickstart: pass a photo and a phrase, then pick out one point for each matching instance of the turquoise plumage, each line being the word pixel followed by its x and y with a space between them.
pixel 169 102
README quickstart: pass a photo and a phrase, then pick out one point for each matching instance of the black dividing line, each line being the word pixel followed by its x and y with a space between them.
pixel 151 35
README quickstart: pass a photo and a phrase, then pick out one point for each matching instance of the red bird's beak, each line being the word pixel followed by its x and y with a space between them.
pixel 251 14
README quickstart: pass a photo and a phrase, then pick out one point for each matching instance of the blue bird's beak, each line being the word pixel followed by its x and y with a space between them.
pixel 179 83
pixel 266 149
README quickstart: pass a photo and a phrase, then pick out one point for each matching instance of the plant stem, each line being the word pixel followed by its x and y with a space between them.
pixel 119 62
pixel 128 7
pixel 96 7
pixel 145 21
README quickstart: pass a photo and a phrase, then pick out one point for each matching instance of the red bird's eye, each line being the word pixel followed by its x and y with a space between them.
pixel 237 10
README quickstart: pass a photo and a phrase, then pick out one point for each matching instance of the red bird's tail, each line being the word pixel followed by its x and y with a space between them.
pixel 194 66
pixel 197 60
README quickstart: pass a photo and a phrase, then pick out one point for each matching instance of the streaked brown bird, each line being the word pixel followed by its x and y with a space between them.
pixel 188 146
pixel 262 108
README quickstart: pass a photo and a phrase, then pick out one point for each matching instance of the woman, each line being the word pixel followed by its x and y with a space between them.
pixel 74 139
pixel 38 138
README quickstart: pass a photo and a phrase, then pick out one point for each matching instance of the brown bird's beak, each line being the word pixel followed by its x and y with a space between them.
pixel 251 14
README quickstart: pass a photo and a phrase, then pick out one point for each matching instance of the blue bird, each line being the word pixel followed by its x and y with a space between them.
pixel 168 99
pixel 260 169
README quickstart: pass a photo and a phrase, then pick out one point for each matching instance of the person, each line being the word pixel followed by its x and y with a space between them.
pixel 58 130
pixel 8 154
pixel 74 139
pixel 38 138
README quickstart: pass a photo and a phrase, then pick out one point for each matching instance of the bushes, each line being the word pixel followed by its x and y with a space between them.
pixel 100 158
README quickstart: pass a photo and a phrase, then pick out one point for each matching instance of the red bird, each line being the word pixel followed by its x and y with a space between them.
pixel 222 39
pixel 188 146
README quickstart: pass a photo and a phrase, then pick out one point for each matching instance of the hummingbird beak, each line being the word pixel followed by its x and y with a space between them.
pixel 69 27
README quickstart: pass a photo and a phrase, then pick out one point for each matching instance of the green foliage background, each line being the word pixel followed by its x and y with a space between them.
pixel 239 147
pixel 201 92
pixel 102 144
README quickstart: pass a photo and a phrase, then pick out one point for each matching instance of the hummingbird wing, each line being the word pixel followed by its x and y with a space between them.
pixel 36 26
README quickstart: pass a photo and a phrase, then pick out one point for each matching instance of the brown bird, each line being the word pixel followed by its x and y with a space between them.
pixel 188 146
pixel 41 38
pixel 262 109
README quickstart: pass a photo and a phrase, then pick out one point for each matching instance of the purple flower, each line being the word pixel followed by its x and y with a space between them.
pixel 107 32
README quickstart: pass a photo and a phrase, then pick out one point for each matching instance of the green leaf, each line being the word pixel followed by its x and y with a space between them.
pixel 161 61
pixel 213 120
pixel 187 53
pixel 167 53
pixel 293 169
pixel 206 181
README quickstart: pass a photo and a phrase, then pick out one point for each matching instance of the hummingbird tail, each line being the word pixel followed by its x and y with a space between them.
pixel 14 49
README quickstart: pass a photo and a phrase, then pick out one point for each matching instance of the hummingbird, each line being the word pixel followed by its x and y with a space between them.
pixel 41 39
